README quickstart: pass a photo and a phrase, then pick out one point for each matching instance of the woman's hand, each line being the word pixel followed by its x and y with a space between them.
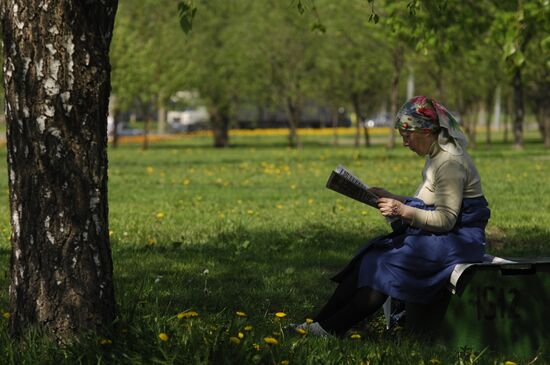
pixel 391 207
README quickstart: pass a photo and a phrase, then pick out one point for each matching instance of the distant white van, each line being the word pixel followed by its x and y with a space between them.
pixel 188 119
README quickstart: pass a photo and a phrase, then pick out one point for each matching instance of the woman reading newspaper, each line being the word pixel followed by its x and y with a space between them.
pixel 442 225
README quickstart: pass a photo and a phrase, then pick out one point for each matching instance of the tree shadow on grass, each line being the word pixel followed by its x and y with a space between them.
pixel 254 271
pixel 259 272
pixel 519 242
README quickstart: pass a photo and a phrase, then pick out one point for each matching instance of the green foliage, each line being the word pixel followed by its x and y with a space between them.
pixel 253 229
pixel 186 14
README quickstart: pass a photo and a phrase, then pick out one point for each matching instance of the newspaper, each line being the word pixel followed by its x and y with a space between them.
pixel 344 182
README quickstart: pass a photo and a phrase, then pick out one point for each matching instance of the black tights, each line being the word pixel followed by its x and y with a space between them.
pixel 349 305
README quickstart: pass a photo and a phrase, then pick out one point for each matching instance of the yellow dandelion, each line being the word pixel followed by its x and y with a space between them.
pixel 240 335
pixel 271 340
pixel 310 201
pixel 510 363
pixel 105 341
pixel 309 320
pixel 435 361
pixel 185 182
pixel 355 336
pixel 300 331
pixel 188 314
pixel 279 206
pixel 280 314
pixel 222 216
pixel 163 336
pixel 151 241
pixel 293 186
pixel 110 232
pixel 240 314
pixel 234 340
pixel 159 216
pixel 250 211
pixel 150 169
pixel 285 362
pixel 248 328
pixel 6 315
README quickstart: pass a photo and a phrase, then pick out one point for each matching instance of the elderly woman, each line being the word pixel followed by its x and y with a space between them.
pixel 442 225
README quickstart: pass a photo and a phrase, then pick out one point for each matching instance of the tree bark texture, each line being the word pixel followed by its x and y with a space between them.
pixel 57 83
pixel 219 119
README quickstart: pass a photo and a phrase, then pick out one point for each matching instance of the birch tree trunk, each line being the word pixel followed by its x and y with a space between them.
pixel 57 84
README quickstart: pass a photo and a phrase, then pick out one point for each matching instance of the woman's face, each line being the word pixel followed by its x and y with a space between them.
pixel 418 141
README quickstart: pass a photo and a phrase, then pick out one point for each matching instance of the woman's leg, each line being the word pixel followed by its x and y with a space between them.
pixel 365 302
pixel 343 293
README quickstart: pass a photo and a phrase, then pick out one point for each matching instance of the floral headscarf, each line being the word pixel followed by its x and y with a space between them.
pixel 424 114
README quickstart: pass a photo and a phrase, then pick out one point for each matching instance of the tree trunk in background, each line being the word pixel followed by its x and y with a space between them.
pixel 219 118
pixel 146 127
pixel 366 133
pixel 509 109
pixel 543 120
pixel 294 114
pixel 518 110
pixel 115 128
pixel 161 115
pixel 358 119
pixel 397 67
pixel 546 131
pixel 497 109
pixel 488 119
pixel 334 122
pixel 57 84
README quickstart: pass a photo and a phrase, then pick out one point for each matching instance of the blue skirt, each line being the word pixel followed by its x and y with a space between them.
pixel 414 265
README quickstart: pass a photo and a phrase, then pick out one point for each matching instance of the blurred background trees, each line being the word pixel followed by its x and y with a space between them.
pixel 320 63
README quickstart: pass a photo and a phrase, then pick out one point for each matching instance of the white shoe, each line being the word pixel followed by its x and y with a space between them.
pixel 314 329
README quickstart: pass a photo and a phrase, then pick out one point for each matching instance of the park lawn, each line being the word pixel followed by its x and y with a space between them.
pixel 252 229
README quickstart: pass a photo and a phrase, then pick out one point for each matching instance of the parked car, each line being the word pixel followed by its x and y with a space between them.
pixel 380 120
pixel 187 120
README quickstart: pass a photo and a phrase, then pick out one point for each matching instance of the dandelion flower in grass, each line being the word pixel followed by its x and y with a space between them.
pixel 271 340
pixel 436 361
pixel 300 331
pixel 240 314
pixel 234 340
pixel 280 314
pixel 248 328
pixel 355 336
pixel 188 314
pixel 285 362
pixel 150 169
pixel 510 363
pixel 151 241
pixel 250 211
pixel 159 216
pixel 110 232
pixel 309 320
pixel 6 315
pixel 105 341
pixel 163 336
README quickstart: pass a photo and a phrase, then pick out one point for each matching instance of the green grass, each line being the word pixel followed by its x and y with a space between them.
pixel 252 228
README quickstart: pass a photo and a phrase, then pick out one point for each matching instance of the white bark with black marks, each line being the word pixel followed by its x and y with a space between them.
pixel 57 84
